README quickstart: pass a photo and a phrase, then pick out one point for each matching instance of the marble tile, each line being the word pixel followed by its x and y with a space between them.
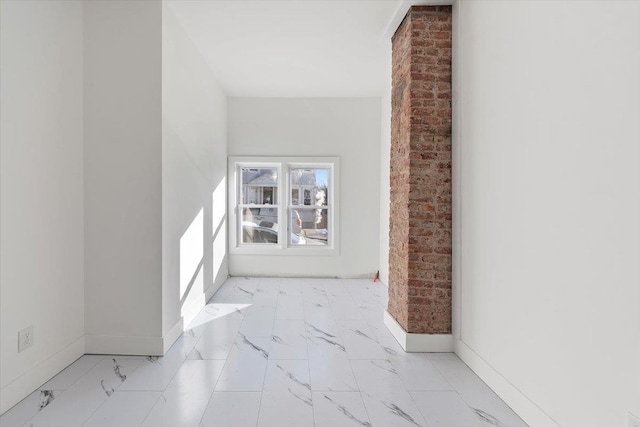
pixel 155 373
pixel 325 341
pixel 371 313
pixel 285 375
pixel 360 341
pixel 380 330
pixel 387 401
pixel 365 297
pixel 216 340
pixel 72 373
pixel 28 407
pixel 257 326
pixel 345 309
pixel 288 346
pixel 377 377
pixel 392 348
pixel 238 291
pixel 315 287
pixel 266 296
pixel 246 365
pixel 315 297
pixel 289 327
pixel 232 409
pixel 343 409
pixel 81 400
pixel 319 316
pixel 444 408
pixel 322 326
pixel 286 399
pixel 289 307
pixel 215 311
pixel 418 373
pixel 124 409
pixel 184 401
pixel 231 298
pixel 273 352
pixel 336 288
pixel 441 356
pixel 259 311
pixel 291 289
pixel 269 282
pixel 482 400
pixel 393 411
pixel 332 373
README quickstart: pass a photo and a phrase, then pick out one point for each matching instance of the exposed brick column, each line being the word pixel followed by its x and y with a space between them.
pixel 420 224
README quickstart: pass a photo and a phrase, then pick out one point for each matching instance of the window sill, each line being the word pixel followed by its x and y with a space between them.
pixel 278 250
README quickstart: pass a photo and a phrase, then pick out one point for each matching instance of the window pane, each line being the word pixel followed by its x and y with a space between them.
pixel 309 226
pixel 259 186
pixel 312 184
pixel 260 225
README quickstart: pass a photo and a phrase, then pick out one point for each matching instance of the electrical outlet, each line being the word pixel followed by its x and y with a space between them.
pixel 25 338
pixel 633 420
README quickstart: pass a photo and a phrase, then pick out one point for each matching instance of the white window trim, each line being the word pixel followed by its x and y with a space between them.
pixel 283 164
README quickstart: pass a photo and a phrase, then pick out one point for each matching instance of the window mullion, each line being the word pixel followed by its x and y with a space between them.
pixel 282 205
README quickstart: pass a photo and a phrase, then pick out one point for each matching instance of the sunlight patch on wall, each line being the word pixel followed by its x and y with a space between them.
pixel 219 204
pixel 218 215
pixel 219 249
pixel 191 251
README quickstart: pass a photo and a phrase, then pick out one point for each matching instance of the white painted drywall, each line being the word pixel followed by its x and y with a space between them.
pixel 41 227
pixel 348 128
pixel 385 170
pixel 550 206
pixel 194 168
pixel 123 176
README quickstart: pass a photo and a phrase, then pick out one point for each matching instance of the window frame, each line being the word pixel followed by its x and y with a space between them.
pixel 283 165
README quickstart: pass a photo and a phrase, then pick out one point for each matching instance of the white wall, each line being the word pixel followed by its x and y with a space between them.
pixel 41 226
pixel 549 145
pixel 385 172
pixel 123 176
pixel 348 128
pixel 194 167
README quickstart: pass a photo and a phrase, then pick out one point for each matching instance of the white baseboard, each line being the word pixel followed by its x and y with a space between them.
pixel 190 313
pixel 533 415
pixel 418 343
pixel 171 336
pixel 132 346
pixel 306 276
pixel 215 286
pixel 24 385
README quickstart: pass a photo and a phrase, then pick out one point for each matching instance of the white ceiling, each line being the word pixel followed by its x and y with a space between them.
pixel 297 48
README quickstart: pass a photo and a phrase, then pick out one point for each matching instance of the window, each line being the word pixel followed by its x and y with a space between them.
pixel 283 205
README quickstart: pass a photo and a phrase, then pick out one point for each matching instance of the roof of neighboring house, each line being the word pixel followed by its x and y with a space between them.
pixel 264 180
pixel 297 178
pixel 303 178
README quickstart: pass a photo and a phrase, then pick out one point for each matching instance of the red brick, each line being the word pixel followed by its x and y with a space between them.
pixel 420 229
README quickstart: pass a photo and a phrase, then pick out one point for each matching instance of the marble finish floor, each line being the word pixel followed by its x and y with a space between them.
pixel 273 353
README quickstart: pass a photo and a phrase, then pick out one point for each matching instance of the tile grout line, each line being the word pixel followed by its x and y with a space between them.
pixel 40 389
pixel 264 378
pixel 366 411
pixel 108 396
pixel 306 340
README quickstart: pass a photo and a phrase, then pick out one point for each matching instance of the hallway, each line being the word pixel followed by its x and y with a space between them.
pixel 273 353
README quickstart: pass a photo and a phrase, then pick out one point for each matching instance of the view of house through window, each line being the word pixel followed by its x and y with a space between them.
pixel 272 195
pixel 258 203
pixel 310 214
